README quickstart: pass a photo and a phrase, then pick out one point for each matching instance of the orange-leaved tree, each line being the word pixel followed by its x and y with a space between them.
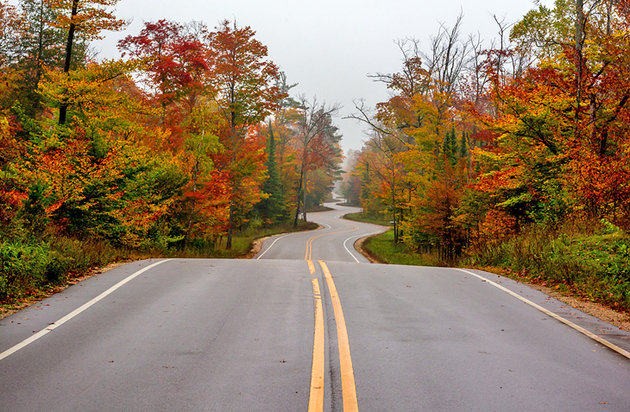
pixel 245 81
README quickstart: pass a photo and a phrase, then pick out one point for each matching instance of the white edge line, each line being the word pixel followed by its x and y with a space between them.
pixel 75 312
pixel 270 246
pixel 348 250
pixel 559 318
pixel 351 237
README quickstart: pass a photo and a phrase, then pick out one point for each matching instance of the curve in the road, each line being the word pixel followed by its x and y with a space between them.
pixel 196 334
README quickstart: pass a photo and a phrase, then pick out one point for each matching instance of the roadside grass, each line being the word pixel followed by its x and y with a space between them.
pixel 595 267
pixel 383 249
pixel 348 204
pixel 32 270
pixel 365 218
pixel 241 242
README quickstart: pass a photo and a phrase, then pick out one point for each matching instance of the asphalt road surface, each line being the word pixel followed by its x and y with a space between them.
pixel 308 325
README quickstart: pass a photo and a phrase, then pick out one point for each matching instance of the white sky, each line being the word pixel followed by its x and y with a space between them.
pixel 328 46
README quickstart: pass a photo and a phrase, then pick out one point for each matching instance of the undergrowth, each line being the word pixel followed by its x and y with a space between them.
pixel 383 249
pixel 29 267
pixel 594 265
pixel 591 261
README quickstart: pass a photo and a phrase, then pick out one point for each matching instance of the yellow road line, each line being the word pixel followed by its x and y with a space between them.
pixel 348 387
pixel 309 243
pixel 316 398
pixel 307 254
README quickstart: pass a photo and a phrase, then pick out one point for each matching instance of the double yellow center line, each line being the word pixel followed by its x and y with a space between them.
pixel 348 387
pixel 309 243
pixel 316 399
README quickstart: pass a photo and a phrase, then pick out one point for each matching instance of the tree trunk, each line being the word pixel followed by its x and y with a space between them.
pixel 394 204
pixel 230 232
pixel 299 192
pixel 40 44
pixel 191 216
pixel 579 45
pixel 228 245
pixel 63 106
pixel 304 195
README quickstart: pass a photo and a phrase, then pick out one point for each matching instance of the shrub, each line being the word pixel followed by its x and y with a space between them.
pixel 22 268
pixel 595 262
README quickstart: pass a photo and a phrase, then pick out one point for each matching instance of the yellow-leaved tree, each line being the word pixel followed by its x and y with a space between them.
pixel 87 18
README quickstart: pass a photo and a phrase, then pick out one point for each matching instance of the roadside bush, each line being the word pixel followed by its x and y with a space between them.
pixel 22 268
pixel 78 257
pixel 30 265
pixel 26 267
pixel 57 267
pixel 596 264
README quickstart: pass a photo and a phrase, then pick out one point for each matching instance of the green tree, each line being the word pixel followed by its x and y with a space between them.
pixel 272 207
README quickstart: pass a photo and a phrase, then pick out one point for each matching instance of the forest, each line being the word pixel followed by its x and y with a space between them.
pixel 513 153
pixel 510 153
pixel 186 143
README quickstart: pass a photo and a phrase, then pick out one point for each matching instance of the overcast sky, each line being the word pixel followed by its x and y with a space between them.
pixel 329 47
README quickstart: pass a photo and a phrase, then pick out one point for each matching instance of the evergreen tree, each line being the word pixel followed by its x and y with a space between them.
pixel 273 207
pixel 450 147
pixel 463 146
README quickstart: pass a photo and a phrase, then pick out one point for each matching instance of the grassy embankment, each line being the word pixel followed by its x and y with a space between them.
pixel 360 217
pixel 32 270
pixel 593 263
pixel 382 247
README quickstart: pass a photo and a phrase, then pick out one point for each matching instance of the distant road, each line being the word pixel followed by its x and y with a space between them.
pixel 304 326
pixel 332 242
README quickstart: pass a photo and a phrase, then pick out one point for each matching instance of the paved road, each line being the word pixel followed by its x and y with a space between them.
pixel 332 242
pixel 281 333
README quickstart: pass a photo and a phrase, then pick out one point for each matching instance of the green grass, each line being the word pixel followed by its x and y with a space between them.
pixel 382 248
pixel 319 208
pixel 594 266
pixel 362 217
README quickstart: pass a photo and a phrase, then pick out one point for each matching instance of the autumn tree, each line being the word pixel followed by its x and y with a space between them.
pixel 246 85
pixel 177 61
pixel 413 150
pixel 172 56
pixel 351 183
pixel 11 30
pixel 554 124
pixel 283 123
pixel 317 142
pixel 86 17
